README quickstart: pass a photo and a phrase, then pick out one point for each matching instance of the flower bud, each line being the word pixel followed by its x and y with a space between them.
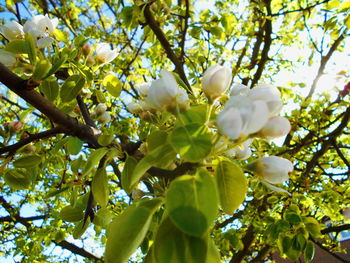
pixel 134 108
pixel 216 80
pixel 275 127
pixel 105 118
pixel 143 89
pixel 104 53
pixel 101 108
pixel 272 169
pixel 86 49
pixel 15 126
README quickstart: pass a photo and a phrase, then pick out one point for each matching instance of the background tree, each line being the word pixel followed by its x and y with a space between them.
pixel 87 145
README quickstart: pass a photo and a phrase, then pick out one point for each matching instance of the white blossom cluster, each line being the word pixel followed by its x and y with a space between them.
pixel 42 28
pixel 163 93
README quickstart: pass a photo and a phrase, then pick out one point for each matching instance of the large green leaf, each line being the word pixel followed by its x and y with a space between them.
pixel 192 203
pixel 27 161
pixel 71 87
pixel 309 251
pixel 161 157
pixel 193 141
pixel 112 84
pixel 99 187
pixel 71 213
pixel 74 145
pixel 173 246
pixel 232 185
pixel 156 139
pixel 129 166
pixel 126 232
pixel 17 179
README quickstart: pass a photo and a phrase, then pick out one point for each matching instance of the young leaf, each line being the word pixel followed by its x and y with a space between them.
pixel 17 180
pixel 129 166
pixel 71 87
pixel 99 187
pixel 56 65
pixel 49 89
pixel 41 68
pixel 73 145
pixel 193 141
pixel 93 159
pixel 71 214
pixel 309 251
pixel 29 46
pixel 156 139
pixel 27 161
pixel 160 157
pixel 126 232
pixel 112 85
pixel 16 46
pixel 192 203
pixel 232 185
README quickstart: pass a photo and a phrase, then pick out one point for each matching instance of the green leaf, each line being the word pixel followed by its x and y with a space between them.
pixel 93 159
pixel 126 232
pixel 292 218
pixel 192 203
pixel 71 214
pixel 71 87
pixel 129 166
pixel 156 139
pixel 57 65
pixel 309 251
pixel 100 188
pixel 193 142
pixel 313 227
pixel 41 69
pixel 80 228
pixel 160 157
pixel 112 84
pixel 173 246
pixel 103 217
pixel 50 89
pixel 29 46
pixel 232 185
pixel 213 255
pixel 17 46
pixel 17 179
pixel 27 161
pixel 105 139
pixel 73 145
pixel 195 114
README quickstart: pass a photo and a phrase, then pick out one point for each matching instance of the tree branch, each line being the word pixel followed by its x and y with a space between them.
pixel 70 125
pixel 77 250
pixel 151 22
pixel 33 137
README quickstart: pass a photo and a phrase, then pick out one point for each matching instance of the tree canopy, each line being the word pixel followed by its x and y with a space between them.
pixel 145 131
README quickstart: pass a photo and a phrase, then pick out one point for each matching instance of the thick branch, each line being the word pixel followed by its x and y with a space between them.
pixel 70 125
pixel 336 229
pixel 33 137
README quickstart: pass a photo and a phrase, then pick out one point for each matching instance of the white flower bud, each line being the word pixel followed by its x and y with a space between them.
pixel 275 127
pixel 12 30
pixel 7 58
pixel 216 80
pixel 134 107
pixel 105 118
pixel 101 108
pixel 164 92
pixel 104 53
pixel 274 169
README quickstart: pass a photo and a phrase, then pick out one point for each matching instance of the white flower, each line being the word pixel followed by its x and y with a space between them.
pixel 7 58
pixel 104 53
pixel 216 80
pixel 12 30
pixel 165 92
pixel 275 127
pixel 143 89
pixel 242 152
pixel 134 107
pixel 101 108
pixel 239 89
pixel 43 23
pixel 242 116
pixel 274 169
pixel 268 93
